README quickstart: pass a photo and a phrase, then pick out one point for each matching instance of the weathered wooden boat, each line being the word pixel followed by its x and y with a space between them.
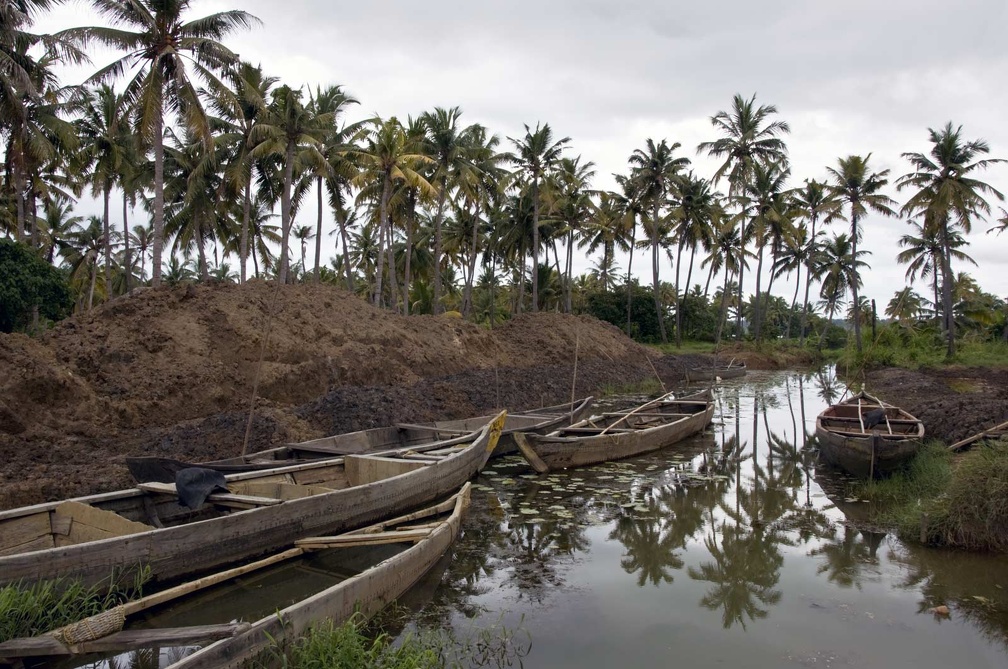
pixel 400 435
pixel 357 571
pixel 863 445
pixel 617 435
pixel 732 370
pixel 91 538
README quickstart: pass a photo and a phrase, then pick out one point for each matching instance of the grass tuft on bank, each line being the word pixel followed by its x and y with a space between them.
pixel 955 501
pixel 897 346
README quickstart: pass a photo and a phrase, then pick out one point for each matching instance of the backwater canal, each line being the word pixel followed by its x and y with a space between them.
pixel 731 549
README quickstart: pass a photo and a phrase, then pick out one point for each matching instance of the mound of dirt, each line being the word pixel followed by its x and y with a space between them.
pixel 953 402
pixel 170 371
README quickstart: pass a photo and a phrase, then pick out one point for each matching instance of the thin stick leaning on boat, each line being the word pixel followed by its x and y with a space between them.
pixel 637 410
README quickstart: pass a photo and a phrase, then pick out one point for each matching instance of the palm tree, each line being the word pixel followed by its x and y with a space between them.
pixel 835 265
pixel 304 234
pixel 142 236
pixel 290 131
pixel 656 172
pixel 59 224
pixel 571 209
pixel 905 306
pixel 749 137
pixel 389 156
pixel 815 202
pixel 104 130
pixel 770 220
pixel 698 211
pixel 534 154
pixel 242 107
pixel 796 254
pixel 328 104
pixel 948 196
pixel 855 184
pixel 85 247
pixel 160 48
pixel 922 252
pixel 632 205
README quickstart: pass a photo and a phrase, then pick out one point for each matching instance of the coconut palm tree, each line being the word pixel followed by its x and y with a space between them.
pixel 698 211
pixel 657 172
pixel 922 252
pixel 241 106
pixel 142 237
pixel 856 185
pixel 630 202
pixel 389 156
pixel 815 202
pixel 748 137
pixel 837 268
pixel 571 208
pixel 290 131
pixel 304 234
pixel 161 47
pixel 59 223
pixel 534 154
pixel 905 306
pixel 103 127
pixel 794 256
pixel 949 196
pixel 771 221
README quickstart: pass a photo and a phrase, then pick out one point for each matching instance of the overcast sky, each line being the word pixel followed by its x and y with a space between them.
pixel 849 77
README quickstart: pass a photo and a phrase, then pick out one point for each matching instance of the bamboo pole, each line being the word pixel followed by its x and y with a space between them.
pixel 638 409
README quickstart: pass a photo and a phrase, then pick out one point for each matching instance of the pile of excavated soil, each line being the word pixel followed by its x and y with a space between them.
pixel 170 371
pixel 953 402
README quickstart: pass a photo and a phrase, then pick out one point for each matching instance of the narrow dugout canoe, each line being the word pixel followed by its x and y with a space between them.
pixel 402 435
pixel 732 370
pixel 94 537
pixel 847 443
pixel 618 435
pixel 406 548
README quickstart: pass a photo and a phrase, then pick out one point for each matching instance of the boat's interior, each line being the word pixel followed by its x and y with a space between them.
pixel 616 422
pixel 850 419
pixel 154 505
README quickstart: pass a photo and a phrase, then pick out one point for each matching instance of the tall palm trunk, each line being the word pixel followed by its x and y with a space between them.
pixel 794 301
pixel 285 211
pixel 94 278
pixel 757 316
pixel 633 242
pixel 570 263
pixel 521 280
pixel 535 243
pixel 829 321
pixel 19 186
pixel 678 294
pixel 126 240
pixel 773 276
pixel 473 251
pixel 341 221
pixel 393 286
pixel 710 275
pixel 684 294
pixel 243 245
pixel 741 272
pixel 157 242
pixel 203 269
pixel 107 238
pixel 854 287
pixel 808 282
pixel 654 271
pixel 947 279
pixel 723 312
pixel 318 236
pixel 438 220
pixel 383 223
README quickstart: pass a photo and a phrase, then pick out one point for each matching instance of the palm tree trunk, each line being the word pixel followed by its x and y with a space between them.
pixel 723 311
pixel 158 237
pixel 126 250
pixel 243 244
pixel 633 242
pixel 94 278
pixel 757 316
pixel 318 236
pixel 255 262
pixel 710 275
pixel 854 287
pixel 33 215
pixel 829 321
pixel 808 282
pixel 285 212
pixel 341 221
pixel 393 284
pixel 438 220
pixel 741 271
pixel 654 275
pixel 383 223
pixel 204 272
pixel 107 238
pixel 947 290
pixel 678 295
pixel 473 251
pixel 19 187
pixel 407 278
pixel 570 263
pixel 794 301
pixel 521 280
pixel 535 243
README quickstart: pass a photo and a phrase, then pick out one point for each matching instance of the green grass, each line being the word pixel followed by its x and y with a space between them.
pixel 959 501
pixel 895 347
pixel 28 610
pixel 348 646
pixel 687 347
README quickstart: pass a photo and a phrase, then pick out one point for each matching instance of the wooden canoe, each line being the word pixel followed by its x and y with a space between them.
pixel 410 545
pixel 94 537
pixel 732 370
pixel 402 435
pixel 845 443
pixel 618 435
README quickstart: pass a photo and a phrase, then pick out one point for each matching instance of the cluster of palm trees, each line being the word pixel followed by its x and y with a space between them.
pixel 208 146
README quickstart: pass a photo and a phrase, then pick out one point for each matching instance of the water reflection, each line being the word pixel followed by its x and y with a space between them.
pixel 729 531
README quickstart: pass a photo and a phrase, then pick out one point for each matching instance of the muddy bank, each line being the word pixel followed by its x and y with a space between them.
pixel 953 402
pixel 170 372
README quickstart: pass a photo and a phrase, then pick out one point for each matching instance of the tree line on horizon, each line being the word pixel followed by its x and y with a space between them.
pixel 431 213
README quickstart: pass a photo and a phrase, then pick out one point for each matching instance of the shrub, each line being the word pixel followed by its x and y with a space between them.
pixel 26 282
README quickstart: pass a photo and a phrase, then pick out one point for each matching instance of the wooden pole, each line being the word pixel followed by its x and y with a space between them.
pixel 637 410
pixel 577 348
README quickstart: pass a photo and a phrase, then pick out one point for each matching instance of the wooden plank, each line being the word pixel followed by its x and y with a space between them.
pixel 224 499
pixel 530 455
pixel 996 431
pixel 363 539
pixel 19 532
pixel 38 544
pixel 361 470
pixel 48 646
pixel 430 428
pixel 88 523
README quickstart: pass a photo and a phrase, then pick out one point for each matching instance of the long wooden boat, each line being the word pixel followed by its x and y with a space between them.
pixel 867 451
pixel 732 370
pixel 404 548
pixel 617 435
pixel 93 537
pixel 400 435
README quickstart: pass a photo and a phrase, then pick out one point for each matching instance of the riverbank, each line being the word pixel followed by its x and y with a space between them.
pixel 170 372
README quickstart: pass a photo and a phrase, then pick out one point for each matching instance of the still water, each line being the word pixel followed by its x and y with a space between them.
pixel 730 549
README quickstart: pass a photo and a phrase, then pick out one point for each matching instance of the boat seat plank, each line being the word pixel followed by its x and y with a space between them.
pixel 597 430
pixel 48 646
pixel 361 470
pixel 25 533
pixel 874 431
pixel 224 499
pixel 374 538
pixel 430 428
pixel 847 419
pixel 76 523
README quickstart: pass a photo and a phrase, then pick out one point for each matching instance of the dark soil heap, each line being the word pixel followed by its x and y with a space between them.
pixel 170 372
